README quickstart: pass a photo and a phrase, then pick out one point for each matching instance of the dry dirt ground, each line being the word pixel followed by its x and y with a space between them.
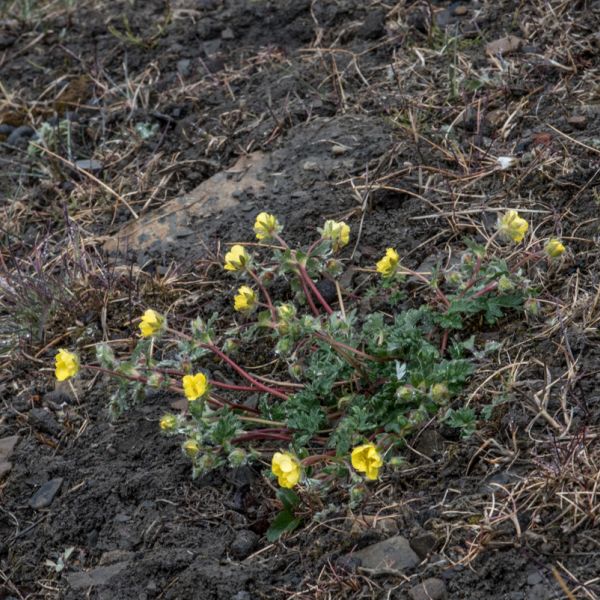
pixel 139 137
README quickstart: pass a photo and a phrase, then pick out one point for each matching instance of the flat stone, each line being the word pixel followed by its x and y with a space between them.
pixel 424 544
pixel 578 121
pixel 505 45
pixel 115 556
pixel 430 589
pixel 89 164
pixel 394 554
pixel 534 578
pixel 5 468
pixel 7 445
pixel 96 577
pixel 45 495
pixel 361 523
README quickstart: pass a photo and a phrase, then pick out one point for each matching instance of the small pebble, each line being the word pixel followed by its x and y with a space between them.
pixel 430 589
pixel 244 544
pixel 45 495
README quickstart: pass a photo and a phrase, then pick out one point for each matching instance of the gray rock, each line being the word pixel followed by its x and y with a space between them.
pixel 6 129
pixel 45 495
pixel 429 443
pixel 227 34
pixel 423 544
pixel 242 595
pixel 539 592
pixel 430 589
pixel 89 164
pixel 7 445
pixel 184 67
pixel 244 544
pixel 394 554
pixel 534 578
pixel 44 421
pixel 96 577
pixel 6 40
pixel 115 556
pixel 22 132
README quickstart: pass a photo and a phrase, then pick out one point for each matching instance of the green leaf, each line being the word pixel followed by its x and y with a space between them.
pixel 284 522
pixel 288 498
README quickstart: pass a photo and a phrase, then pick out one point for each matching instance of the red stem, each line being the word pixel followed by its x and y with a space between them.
pixel 311 284
pixel 244 374
pixel 264 293
pixel 309 298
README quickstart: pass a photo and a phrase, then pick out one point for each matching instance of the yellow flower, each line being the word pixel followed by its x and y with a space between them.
pixel 265 226
pixel 554 248
pixel 512 226
pixel 388 264
pixel 245 300
pixel 195 386
pixel 366 459
pixel 191 448
pixel 168 422
pixel 151 323
pixel 67 365
pixel 236 259
pixel 286 467
pixel 338 232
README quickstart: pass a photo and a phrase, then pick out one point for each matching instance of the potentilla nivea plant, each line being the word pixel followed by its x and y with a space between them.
pixel 348 388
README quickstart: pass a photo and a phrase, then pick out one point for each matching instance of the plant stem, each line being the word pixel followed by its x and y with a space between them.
pixel 233 365
pixel 243 373
pixel 309 298
pixel 264 292
pixel 314 289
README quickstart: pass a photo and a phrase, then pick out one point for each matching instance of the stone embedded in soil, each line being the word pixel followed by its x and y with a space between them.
pixel 44 421
pixel 45 495
pixel 114 556
pixel 89 164
pixel 430 589
pixel 361 523
pixel 424 544
pixel 505 45
pixel 22 132
pixel 578 121
pixel 244 544
pixel 7 445
pixel 96 577
pixel 394 554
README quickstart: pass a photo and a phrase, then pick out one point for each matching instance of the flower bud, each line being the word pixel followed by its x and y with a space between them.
pixel 191 448
pixel 439 392
pixel 505 284
pixel 237 457
pixel 532 306
pixel 405 393
pixel 295 370
pixel 168 422
pixel 344 401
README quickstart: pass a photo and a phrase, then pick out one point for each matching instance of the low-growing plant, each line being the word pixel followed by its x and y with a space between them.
pixel 345 388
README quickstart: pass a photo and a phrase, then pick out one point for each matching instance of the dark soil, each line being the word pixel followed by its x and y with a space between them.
pixel 351 102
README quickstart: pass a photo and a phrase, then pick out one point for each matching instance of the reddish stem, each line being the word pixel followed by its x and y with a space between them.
pixel 311 284
pixel 309 297
pixel 245 374
pixel 264 292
